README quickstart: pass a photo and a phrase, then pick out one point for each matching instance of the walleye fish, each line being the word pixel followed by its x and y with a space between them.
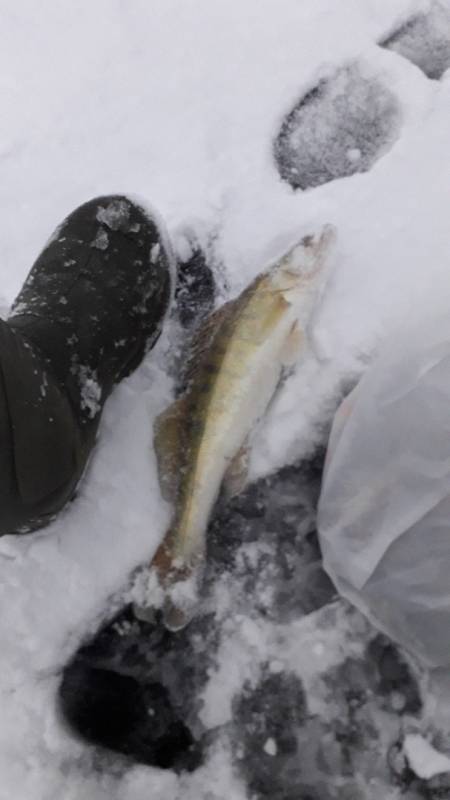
pixel 202 440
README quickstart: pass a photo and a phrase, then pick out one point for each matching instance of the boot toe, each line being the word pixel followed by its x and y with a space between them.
pixel 95 300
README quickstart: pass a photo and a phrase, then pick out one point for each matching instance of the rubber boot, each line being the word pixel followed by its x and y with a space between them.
pixel 92 305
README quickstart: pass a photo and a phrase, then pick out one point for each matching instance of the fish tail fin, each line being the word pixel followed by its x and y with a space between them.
pixel 176 617
pixel 182 596
pixel 180 580
pixel 162 561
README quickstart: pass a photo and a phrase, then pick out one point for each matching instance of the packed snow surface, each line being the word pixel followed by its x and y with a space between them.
pixel 181 103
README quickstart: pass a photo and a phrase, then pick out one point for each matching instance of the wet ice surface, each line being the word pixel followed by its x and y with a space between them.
pixel 340 127
pixel 425 40
pixel 313 702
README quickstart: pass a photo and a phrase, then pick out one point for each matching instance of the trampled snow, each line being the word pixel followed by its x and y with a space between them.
pixel 181 103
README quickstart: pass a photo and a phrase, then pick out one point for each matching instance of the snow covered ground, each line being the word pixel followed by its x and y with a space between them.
pixel 180 103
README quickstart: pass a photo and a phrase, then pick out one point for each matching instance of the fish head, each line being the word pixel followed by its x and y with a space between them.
pixel 303 262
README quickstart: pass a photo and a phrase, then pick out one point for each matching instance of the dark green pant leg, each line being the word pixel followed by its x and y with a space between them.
pixel 41 452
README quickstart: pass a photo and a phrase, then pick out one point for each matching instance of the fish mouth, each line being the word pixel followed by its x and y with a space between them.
pixel 321 241
pixel 306 258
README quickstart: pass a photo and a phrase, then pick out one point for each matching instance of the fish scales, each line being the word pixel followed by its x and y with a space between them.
pixel 218 399
pixel 236 362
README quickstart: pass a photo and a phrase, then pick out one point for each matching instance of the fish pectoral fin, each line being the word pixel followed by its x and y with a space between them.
pixel 180 582
pixel 168 441
pixel 175 616
pixel 236 477
pixel 292 346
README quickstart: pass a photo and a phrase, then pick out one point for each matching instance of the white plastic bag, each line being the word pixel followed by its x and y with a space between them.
pixel 384 510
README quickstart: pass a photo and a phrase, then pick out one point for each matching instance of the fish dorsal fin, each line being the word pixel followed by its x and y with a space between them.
pixel 169 439
pixel 203 338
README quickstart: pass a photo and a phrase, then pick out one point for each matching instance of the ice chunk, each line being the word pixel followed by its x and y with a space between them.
pixel 101 240
pixel 270 747
pixel 90 391
pixel 116 215
pixel 423 759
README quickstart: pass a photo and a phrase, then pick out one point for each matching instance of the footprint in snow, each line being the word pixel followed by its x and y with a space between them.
pixel 425 41
pixel 340 127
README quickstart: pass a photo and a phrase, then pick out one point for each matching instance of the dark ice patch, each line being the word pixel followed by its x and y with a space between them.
pixel 134 688
pixel 267 539
pixel 133 718
pixel 344 750
pixel 351 749
pixel 340 127
pixel 395 680
pixel 265 735
pixel 195 288
pixel 425 41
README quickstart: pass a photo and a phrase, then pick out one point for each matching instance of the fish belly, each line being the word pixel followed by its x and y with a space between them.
pixel 241 395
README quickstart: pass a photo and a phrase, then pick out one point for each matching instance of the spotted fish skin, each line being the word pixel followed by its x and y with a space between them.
pixel 235 365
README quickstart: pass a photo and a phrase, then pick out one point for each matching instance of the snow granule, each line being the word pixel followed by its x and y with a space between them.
pixel 116 215
pixel 270 747
pixel 90 391
pixel 154 253
pixel 101 240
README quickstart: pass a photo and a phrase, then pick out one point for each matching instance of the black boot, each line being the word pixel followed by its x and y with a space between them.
pixel 95 299
pixel 92 305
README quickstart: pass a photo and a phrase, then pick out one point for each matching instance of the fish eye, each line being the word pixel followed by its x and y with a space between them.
pixel 308 240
